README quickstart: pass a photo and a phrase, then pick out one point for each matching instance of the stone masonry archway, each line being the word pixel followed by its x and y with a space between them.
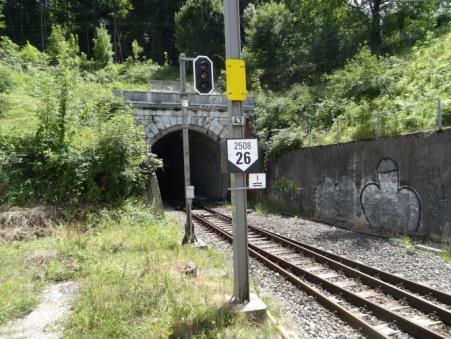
pixel 160 114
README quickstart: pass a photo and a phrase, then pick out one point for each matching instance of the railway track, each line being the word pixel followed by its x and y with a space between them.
pixel 380 304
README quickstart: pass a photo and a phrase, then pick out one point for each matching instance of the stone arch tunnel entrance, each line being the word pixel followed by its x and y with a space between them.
pixel 205 161
pixel 159 112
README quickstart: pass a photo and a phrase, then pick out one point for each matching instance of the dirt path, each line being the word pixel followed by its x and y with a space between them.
pixel 45 322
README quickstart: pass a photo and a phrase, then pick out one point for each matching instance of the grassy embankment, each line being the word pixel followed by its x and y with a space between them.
pixel 397 93
pixel 129 263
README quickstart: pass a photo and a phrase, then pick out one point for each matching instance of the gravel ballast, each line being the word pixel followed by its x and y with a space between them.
pixel 308 318
pixel 301 314
pixel 418 265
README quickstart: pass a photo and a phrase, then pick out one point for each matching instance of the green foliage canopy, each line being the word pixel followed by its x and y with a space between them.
pixel 200 28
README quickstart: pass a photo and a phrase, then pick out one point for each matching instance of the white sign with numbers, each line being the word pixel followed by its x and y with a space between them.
pixel 238 121
pixel 257 180
pixel 242 153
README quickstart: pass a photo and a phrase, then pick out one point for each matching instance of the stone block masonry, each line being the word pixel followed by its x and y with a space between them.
pixel 400 184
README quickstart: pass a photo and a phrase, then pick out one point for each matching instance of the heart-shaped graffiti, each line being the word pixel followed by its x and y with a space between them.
pixel 387 204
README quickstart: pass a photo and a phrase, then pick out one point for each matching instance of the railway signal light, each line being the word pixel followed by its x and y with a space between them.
pixel 203 75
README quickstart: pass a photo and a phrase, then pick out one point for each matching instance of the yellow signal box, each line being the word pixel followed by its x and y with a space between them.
pixel 236 80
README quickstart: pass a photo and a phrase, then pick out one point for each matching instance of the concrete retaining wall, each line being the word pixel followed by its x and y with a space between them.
pixel 400 184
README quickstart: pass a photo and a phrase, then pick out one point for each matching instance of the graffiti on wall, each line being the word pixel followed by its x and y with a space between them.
pixel 385 203
pixel 336 198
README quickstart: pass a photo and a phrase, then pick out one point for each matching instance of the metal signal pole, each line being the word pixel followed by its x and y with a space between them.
pixel 189 236
pixel 238 180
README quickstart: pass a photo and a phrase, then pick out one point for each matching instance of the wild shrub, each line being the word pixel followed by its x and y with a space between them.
pixel 139 72
pixel 56 165
pixel 284 141
pixel 63 46
pixel 103 49
pixel 5 79
pixel 30 55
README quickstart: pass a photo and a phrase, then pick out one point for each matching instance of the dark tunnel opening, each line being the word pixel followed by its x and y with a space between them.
pixel 205 163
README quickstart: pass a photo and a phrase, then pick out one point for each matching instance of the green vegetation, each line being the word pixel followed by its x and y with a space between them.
pixel 130 265
pixel 21 277
pixel 198 24
pixel 64 137
pixel 404 92
pixel 285 185
pixel 322 71
pixel 446 251
pixel 268 207
pixel 446 255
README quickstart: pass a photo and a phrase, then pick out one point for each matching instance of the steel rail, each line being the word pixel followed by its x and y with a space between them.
pixel 412 286
pixel 381 312
pixel 327 302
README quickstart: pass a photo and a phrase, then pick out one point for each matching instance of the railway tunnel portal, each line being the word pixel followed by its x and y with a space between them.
pixel 208 122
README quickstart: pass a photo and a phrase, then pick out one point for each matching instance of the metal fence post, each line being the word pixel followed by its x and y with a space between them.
pixel 439 114
pixel 338 130
pixel 378 124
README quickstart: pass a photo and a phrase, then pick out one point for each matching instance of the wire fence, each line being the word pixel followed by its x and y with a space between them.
pixel 380 124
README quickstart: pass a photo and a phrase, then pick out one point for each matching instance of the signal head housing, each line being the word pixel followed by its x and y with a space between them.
pixel 203 75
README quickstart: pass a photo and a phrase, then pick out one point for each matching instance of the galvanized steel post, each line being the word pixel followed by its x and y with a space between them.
pixel 238 180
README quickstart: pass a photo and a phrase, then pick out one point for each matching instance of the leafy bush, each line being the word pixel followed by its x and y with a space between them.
pixel 31 55
pixel 360 78
pixel 103 49
pixel 285 185
pixel 5 79
pixel 63 46
pixel 285 140
pixel 83 151
pixel 139 72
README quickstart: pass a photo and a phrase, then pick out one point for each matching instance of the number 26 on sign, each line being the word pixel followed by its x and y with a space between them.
pixel 242 153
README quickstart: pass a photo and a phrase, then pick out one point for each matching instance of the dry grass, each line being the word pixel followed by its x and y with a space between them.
pixel 24 223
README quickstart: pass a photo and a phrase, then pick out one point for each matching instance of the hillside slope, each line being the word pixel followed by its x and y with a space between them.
pixel 401 92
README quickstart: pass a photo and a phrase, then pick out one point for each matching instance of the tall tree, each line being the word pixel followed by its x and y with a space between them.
pixel 409 19
pixel 80 17
pixel 152 24
pixel 199 28
pixel 374 10
pixel 2 23
pixel 22 21
pixel 273 47
pixel 118 9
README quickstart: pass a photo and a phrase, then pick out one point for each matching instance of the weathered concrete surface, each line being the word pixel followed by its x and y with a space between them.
pixel 401 184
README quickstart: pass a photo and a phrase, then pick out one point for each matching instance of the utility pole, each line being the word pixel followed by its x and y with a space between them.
pixel 238 180
pixel 189 236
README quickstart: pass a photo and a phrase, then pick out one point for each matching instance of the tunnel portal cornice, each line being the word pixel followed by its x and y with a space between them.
pixel 160 113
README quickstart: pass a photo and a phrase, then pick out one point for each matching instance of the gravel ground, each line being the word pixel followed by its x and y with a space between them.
pixel 46 320
pixel 301 315
pixel 421 266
